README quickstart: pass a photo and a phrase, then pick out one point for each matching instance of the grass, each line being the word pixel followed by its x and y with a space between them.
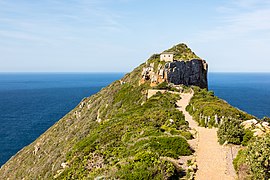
pixel 133 132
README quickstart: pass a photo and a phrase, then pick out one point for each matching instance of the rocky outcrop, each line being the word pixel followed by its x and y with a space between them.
pixel 193 72
pixel 188 73
pixel 259 128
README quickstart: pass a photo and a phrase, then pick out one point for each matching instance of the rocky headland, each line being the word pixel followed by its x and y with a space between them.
pixel 157 122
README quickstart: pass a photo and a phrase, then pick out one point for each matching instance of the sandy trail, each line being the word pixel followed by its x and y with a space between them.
pixel 213 160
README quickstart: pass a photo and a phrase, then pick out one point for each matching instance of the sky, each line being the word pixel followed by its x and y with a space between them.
pixel 118 35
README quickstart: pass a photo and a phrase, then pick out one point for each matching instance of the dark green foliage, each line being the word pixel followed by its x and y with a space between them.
pixel 146 165
pixel 256 158
pixel 239 163
pixel 206 104
pixel 163 85
pixel 247 137
pixel 230 131
pixel 132 141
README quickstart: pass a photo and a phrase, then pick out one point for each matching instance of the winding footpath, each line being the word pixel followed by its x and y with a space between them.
pixel 214 161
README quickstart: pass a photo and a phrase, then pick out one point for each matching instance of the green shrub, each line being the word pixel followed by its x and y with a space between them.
pixel 147 167
pixel 240 160
pixel 247 137
pixel 258 157
pixel 132 141
pixel 230 131
pixel 206 104
pixel 254 161
pixel 163 85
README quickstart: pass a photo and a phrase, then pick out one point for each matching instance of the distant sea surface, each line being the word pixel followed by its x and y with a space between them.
pixel 247 91
pixel 31 103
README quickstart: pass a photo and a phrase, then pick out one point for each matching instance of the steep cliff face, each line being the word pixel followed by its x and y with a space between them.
pixel 188 73
pixel 186 69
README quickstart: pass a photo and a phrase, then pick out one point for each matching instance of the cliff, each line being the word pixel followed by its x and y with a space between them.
pixel 121 132
pixel 193 72
pixel 186 69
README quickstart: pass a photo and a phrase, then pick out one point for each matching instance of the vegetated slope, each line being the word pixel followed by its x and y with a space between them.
pixel 115 133
pixel 182 52
pixel 210 111
pixel 253 160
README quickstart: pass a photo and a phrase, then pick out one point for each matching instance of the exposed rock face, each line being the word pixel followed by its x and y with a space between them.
pixel 193 72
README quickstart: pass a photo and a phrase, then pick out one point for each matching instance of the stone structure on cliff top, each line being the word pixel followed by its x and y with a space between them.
pixel 180 66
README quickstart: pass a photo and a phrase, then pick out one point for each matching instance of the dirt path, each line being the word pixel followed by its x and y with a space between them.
pixel 213 160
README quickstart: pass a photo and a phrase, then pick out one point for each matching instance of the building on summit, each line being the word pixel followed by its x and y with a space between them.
pixel 166 56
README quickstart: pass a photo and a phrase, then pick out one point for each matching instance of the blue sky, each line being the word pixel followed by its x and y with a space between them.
pixel 118 35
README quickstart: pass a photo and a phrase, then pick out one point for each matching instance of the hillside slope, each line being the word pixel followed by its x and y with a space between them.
pixel 123 132
pixel 110 134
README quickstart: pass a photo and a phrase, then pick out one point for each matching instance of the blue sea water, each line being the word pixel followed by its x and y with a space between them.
pixel 247 91
pixel 31 103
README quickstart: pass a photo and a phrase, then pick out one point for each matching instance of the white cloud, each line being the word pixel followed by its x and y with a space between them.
pixel 57 20
pixel 240 18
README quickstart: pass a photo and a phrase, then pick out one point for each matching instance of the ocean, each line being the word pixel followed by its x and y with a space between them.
pixel 249 92
pixel 32 102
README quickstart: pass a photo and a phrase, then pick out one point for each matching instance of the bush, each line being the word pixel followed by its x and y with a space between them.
pixel 146 165
pixel 247 137
pixel 253 162
pixel 258 157
pixel 163 85
pixel 231 131
pixel 132 141
pixel 205 104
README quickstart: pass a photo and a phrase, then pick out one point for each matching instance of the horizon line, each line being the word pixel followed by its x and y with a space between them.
pixel 85 72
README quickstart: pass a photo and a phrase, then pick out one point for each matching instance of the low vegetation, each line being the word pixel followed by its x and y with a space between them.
pixel 183 52
pixel 120 134
pixel 231 131
pixel 130 144
pixel 204 106
pixel 253 162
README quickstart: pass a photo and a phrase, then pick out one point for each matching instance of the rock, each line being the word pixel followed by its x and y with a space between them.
pixel 64 165
pixel 258 132
pixel 216 119
pixel 99 120
pixel 82 105
pixel 249 123
pixel 189 72
pixel 36 148
pixel 259 126
pixel 100 177
pixel 122 82
pixel 193 72
pixel 265 124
